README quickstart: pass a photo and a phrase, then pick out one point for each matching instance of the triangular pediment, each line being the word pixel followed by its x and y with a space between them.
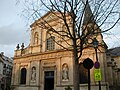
pixel 48 17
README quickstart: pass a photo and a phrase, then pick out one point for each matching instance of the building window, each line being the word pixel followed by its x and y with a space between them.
pixel 23 76
pixel 36 39
pixel 51 43
pixel 4 69
pixel 83 74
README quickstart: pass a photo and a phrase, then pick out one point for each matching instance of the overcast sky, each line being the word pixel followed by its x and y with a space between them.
pixel 13 29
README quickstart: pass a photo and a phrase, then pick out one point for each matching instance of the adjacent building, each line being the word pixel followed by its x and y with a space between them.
pixel 114 63
pixel 6 64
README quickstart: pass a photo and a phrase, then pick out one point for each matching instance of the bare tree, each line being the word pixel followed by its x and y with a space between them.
pixel 82 19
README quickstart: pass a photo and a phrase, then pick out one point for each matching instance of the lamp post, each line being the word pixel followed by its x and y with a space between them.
pixel 97 64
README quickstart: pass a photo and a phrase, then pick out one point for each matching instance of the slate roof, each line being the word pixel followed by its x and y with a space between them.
pixel 88 15
pixel 114 51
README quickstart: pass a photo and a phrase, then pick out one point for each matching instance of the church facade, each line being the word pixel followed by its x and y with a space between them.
pixel 45 65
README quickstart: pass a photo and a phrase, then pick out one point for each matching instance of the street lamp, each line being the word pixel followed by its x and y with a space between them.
pixel 97 64
pixel 95 43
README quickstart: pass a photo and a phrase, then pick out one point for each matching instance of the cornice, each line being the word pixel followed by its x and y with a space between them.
pixel 43 55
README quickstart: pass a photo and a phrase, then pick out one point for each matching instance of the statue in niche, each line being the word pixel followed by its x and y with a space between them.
pixel 65 72
pixel 33 74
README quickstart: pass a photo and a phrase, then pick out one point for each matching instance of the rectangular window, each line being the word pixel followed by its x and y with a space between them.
pixel 51 43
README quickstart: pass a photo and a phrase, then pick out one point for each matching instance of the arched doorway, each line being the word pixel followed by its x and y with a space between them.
pixel 83 74
pixel 23 76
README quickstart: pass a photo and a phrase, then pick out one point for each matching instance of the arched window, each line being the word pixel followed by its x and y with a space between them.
pixel 36 38
pixel 23 76
pixel 83 74
pixel 50 43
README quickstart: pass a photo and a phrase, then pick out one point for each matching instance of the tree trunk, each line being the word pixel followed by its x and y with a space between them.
pixel 75 72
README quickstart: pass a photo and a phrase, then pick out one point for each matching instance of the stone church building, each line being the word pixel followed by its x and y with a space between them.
pixel 45 65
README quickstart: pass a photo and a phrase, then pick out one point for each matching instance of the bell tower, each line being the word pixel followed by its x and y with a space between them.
pixel 90 27
pixel 92 31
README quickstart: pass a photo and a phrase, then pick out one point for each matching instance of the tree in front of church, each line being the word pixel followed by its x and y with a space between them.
pixel 82 20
